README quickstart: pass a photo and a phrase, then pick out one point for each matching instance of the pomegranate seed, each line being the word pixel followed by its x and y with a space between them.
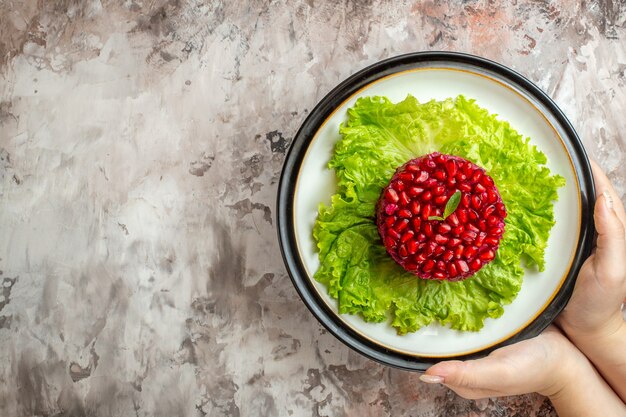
pixel 407 235
pixel 500 209
pixel 451 167
pixel 439 274
pixel 468 236
pixel 428 229
pixel 458 251
pixel 423 176
pixel 472 214
pixel 492 241
pixel 415 191
pixel 452 270
pixel 467 169
pixel 462 265
pixel 399 186
pixel 465 187
pixel 410 266
pixel 390 221
pixel 454 242
pixel 405 213
pixel 486 181
pixel 389 242
pixel 417 223
pixel 482 225
pixel 447 256
pixel 403 251
pixel 440 239
pixel 393 234
pixel 404 199
pixel 439 250
pixel 480 239
pixel 427 196
pixel 421 237
pixel 415 207
pixel 458 231
pixel 453 220
pixel 492 197
pixel 430 248
pixel 470 252
pixel 462 214
pixel 413 168
pixel 400 225
pixel 476 203
pixel 473 228
pixel 489 210
pixel 441 265
pixel 461 177
pixel 440 175
pixel 438 190
pixel 475 264
pixel 406 176
pixel 391 195
pixel 487 255
pixel 496 231
pixel 430 164
pixel 440 199
pixel 428 265
pixel 431 182
pixel 390 209
pixel 420 258
pixel 493 220
pixel 411 246
pixel 477 175
pixel 444 228
pixel 426 211
pixel 479 188
pixel 451 182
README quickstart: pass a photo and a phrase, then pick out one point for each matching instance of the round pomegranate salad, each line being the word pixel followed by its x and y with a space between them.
pixel 441 217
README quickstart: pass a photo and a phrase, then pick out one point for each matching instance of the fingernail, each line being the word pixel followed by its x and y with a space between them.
pixel 609 199
pixel 431 379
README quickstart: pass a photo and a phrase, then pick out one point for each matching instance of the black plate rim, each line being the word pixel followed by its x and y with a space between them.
pixel 293 161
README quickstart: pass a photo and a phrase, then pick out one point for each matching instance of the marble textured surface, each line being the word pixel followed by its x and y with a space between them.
pixel 140 147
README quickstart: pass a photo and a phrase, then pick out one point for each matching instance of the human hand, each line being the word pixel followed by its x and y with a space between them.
pixel 594 308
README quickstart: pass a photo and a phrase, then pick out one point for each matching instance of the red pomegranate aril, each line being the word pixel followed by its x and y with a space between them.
pixel 440 199
pixel 451 167
pixel 393 234
pixel 390 209
pixel 486 181
pixel 444 228
pixel 476 202
pixel 406 176
pixel 415 191
pixel 496 231
pixel 454 242
pixel 453 220
pixel 404 199
pixel 423 176
pixel 451 248
pixel 428 265
pixel 391 195
pixel 470 252
pixel 439 275
pixel 400 225
pixel 475 264
pixel 458 231
pixel 407 235
pixel 480 239
pixel 441 239
pixel 487 255
pixel 405 213
pixel 462 265
pixel 439 190
pixel 492 241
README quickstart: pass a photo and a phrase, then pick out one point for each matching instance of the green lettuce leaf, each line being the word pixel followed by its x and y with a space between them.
pixel 378 137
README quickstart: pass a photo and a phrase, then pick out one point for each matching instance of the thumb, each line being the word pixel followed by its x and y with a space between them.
pixel 473 378
pixel 611 243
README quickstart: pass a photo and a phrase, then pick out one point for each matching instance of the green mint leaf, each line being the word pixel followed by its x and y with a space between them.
pixel 436 218
pixel 452 204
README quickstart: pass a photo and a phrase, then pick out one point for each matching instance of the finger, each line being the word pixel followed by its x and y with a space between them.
pixel 611 243
pixel 602 184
